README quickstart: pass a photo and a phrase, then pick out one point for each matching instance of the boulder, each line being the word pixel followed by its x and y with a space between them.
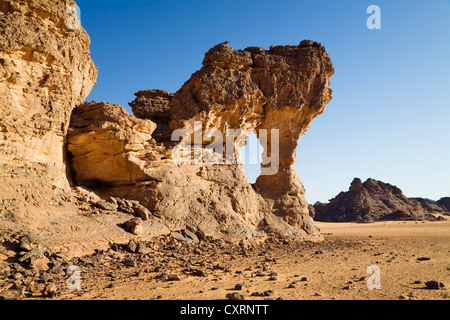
pixel 11 294
pixel 235 296
pixel 134 226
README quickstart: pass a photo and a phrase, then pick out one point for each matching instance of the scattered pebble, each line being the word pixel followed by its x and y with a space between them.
pixel 220 266
pixel 11 294
pixel 434 285
pixel 267 293
pixel 235 296
pixel 423 259
pixel 50 291
pixel 199 273
pixel 132 246
pixel 129 262
pixel 240 286
pixel 174 277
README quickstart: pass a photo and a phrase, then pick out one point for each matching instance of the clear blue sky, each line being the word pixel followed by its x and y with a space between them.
pixel 390 114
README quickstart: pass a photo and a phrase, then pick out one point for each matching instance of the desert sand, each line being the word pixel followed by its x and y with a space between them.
pixel 339 272
pixel 94 204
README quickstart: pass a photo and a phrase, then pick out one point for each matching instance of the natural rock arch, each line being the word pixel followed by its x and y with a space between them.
pixel 46 71
pixel 281 89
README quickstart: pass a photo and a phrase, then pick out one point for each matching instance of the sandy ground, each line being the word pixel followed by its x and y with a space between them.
pixel 292 271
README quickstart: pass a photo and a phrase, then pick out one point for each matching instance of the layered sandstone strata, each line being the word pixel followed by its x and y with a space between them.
pixel 107 145
pixel 273 92
pixel 45 71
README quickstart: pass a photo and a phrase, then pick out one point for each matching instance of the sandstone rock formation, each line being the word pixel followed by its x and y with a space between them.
pixel 283 88
pixel 106 144
pixel 154 105
pixel 375 200
pixel 45 71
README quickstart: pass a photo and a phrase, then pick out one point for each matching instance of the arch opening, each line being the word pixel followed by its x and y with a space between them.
pixel 251 155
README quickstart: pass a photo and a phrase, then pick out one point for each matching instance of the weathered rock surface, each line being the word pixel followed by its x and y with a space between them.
pixel 45 71
pixel 108 145
pixel 154 105
pixel 375 200
pixel 431 205
pixel 216 199
pixel 444 202
pixel 283 88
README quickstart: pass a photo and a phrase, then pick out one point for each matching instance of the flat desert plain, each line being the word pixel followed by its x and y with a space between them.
pixel 335 268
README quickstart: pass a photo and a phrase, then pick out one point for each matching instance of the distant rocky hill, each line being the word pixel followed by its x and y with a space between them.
pixel 375 200
pixel 444 202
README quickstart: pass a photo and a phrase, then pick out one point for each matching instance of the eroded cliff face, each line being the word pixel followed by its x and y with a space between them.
pixel 45 71
pixel 277 91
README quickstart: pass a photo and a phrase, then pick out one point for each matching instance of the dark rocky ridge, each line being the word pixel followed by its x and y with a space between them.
pixel 444 202
pixel 375 200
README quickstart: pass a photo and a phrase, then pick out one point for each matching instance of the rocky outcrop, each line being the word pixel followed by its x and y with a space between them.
pixel 154 104
pixel 431 205
pixel 113 159
pixel 375 200
pixel 108 145
pixel 276 92
pixel 45 71
pixel 444 202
